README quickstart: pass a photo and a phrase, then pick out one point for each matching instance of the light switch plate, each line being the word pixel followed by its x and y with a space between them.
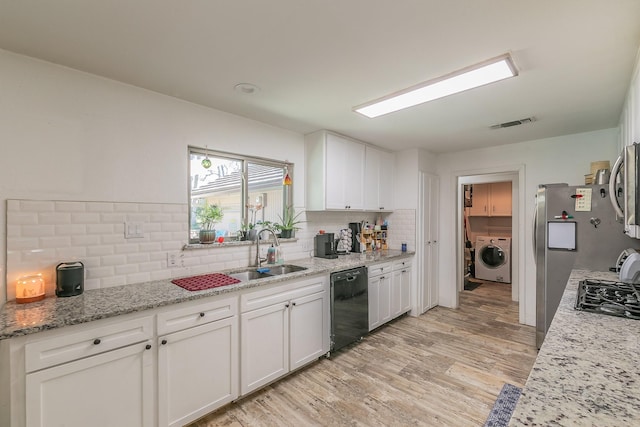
pixel 133 229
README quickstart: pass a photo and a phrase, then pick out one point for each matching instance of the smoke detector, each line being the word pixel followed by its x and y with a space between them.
pixel 513 123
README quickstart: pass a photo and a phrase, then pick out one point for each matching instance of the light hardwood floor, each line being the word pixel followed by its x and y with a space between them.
pixel 444 368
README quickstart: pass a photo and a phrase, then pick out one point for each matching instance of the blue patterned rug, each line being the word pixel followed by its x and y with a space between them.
pixel 503 407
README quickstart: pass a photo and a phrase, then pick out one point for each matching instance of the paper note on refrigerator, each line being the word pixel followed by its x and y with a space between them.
pixel 583 204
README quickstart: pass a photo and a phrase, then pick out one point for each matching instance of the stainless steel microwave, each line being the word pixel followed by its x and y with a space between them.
pixel 624 187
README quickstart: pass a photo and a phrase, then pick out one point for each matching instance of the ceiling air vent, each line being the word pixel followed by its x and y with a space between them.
pixel 513 123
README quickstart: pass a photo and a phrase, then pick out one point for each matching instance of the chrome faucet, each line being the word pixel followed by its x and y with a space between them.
pixel 259 260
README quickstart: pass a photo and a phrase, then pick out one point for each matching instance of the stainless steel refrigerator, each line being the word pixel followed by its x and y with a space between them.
pixel 571 233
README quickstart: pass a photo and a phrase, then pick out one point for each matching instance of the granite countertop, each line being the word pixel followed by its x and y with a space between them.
pixel 586 373
pixel 53 312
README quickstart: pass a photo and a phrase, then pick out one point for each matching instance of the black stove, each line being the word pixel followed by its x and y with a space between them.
pixel 608 297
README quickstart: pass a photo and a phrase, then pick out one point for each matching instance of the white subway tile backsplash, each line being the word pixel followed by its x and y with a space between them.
pixel 71 229
pixel 99 228
pixel 82 240
pixel 41 234
pixel 36 206
pixel 100 272
pixel 71 254
pixel 54 242
pixel 25 218
pixel 137 258
pixel 85 218
pixel 175 208
pixel 113 218
pixel 100 207
pixel 161 217
pixel 61 206
pixel 113 260
pixel 109 282
pixel 126 269
pixel 126 207
pixel 150 207
pixel 38 230
pixel 138 278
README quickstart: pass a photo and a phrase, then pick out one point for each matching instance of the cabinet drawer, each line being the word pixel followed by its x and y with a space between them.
pixel 284 292
pixel 94 340
pixel 200 313
pixel 378 269
pixel 402 264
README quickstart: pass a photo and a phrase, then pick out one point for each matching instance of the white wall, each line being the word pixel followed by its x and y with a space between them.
pixel 561 159
pixel 68 135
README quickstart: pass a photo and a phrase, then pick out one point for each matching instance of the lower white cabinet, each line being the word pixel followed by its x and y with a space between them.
pixel 389 291
pixel 379 294
pixel 98 384
pixel 401 283
pixel 197 366
pixel 166 366
pixel 282 328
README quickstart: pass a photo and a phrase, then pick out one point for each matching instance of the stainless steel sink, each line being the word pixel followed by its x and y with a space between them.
pixel 277 270
pixel 251 273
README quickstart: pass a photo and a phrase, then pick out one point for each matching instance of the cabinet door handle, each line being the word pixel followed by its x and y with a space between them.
pixel 404 271
pixel 96 341
pixel 201 314
pixel 148 347
pixel 163 342
pixel 293 304
pixel 286 305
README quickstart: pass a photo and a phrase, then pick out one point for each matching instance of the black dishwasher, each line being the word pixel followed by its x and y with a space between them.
pixel 349 307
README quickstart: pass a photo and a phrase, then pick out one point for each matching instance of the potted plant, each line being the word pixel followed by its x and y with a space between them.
pixel 208 216
pixel 289 222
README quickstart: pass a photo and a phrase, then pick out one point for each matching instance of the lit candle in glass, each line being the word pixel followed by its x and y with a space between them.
pixel 29 289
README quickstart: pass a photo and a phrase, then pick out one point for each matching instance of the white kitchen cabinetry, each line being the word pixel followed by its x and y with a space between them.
pixel 379 294
pixel 197 359
pixel 335 172
pixel 378 182
pixel 427 287
pixel 492 199
pixel 100 376
pixel 401 287
pixel 283 328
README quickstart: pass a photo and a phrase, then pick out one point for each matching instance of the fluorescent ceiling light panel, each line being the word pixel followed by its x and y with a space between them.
pixel 490 71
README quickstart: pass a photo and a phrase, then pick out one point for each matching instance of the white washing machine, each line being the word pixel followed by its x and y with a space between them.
pixel 493 259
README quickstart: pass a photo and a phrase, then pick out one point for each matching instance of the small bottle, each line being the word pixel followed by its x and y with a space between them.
pixel 271 255
pixel 279 255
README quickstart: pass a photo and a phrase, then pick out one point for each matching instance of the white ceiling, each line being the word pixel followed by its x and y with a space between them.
pixel 316 59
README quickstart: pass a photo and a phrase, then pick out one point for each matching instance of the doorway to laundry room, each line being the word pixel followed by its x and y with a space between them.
pixel 487 235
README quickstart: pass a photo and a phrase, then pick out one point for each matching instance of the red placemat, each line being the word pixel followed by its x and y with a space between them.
pixel 206 281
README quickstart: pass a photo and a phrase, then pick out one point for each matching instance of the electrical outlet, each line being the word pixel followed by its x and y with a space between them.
pixel 173 259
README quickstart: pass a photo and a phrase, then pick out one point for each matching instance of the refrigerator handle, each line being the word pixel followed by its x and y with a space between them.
pixel 617 167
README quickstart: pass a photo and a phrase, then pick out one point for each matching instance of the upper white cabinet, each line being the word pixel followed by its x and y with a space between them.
pixel 492 199
pixel 335 172
pixel 378 171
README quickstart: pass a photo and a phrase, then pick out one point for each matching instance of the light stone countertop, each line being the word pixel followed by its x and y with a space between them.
pixel 54 312
pixel 586 373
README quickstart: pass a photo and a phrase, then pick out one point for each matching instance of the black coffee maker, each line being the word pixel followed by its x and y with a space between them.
pixel 325 246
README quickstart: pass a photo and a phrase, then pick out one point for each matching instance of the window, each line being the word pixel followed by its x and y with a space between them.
pixel 248 191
